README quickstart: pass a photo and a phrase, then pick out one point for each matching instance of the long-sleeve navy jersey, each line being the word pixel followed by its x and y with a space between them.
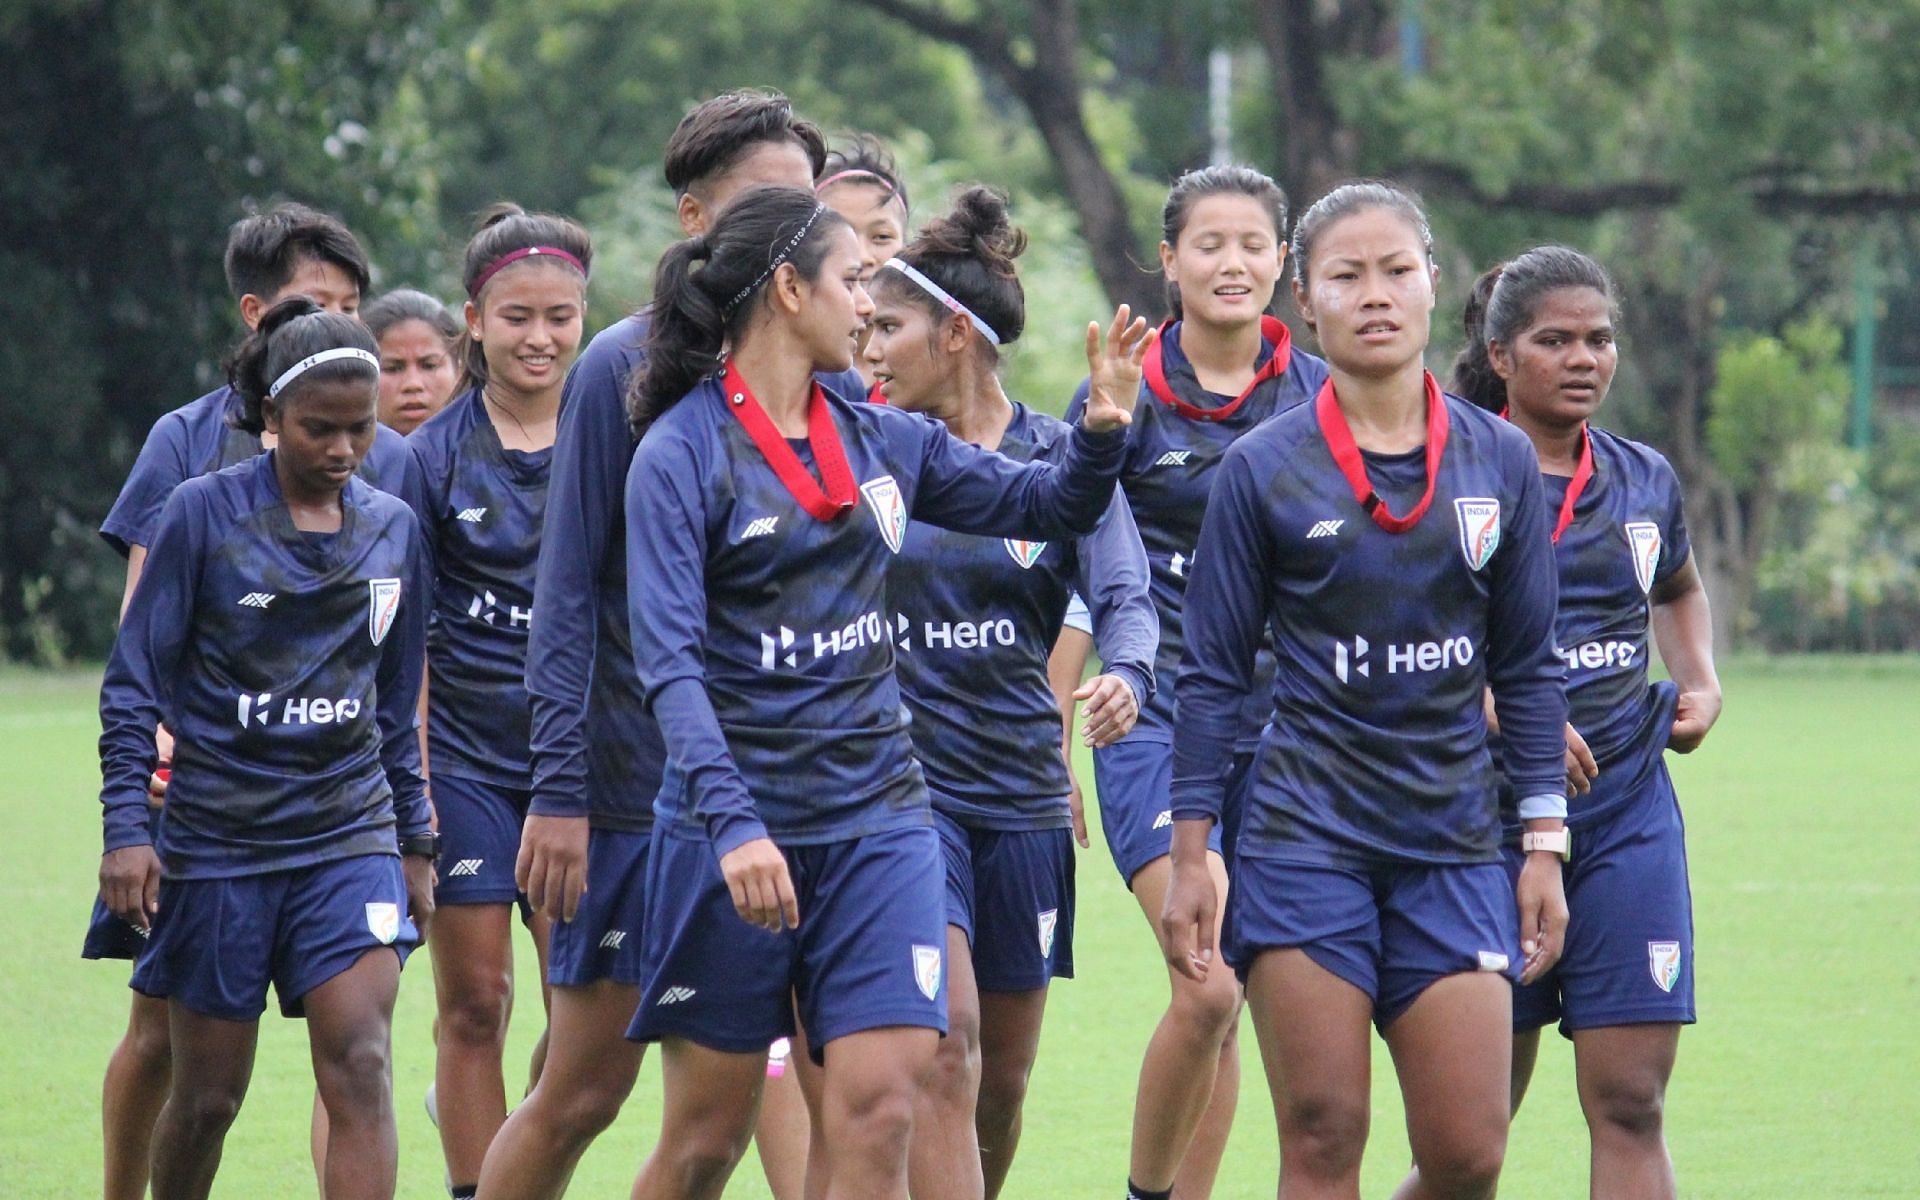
pixel 287 665
pixel 1386 643
pixel 597 752
pixel 1627 535
pixel 195 439
pixel 765 638
pixel 1171 460
pixel 974 620
pixel 480 512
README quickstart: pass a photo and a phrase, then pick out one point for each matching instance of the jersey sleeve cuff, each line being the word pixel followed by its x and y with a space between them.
pixel 1544 806
pixel 1136 679
pixel 126 824
pixel 557 804
pixel 730 831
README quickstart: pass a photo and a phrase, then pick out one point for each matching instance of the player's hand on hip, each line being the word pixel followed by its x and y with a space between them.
pixel 551 868
pixel 1187 919
pixel 418 869
pixel 761 886
pixel 130 884
pixel 1114 369
pixel 1693 716
pixel 1542 897
pixel 1582 770
pixel 1109 711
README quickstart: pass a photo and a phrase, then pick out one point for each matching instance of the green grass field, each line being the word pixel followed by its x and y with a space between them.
pixel 1802 1080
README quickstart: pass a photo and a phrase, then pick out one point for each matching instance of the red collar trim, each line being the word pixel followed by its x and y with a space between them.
pixel 822 504
pixel 1273 331
pixel 1346 454
pixel 1582 476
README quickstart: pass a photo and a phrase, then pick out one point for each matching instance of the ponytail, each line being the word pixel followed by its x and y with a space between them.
pixel 1474 378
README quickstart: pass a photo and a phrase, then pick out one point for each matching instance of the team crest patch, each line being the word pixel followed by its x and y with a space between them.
pixel 1663 960
pixel 1048 921
pixel 1025 553
pixel 1643 538
pixel 383 605
pixel 383 921
pixel 889 509
pixel 1479 528
pixel 926 964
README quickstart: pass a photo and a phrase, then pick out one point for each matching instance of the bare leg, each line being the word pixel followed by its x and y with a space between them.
pixel 1526 1050
pixel 813 1088
pixel 214 1062
pixel 713 1099
pixel 473 980
pixel 1009 1042
pixel 944 1158
pixel 1453 1050
pixel 131 1098
pixel 594 1066
pixel 317 1142
pixel 1316 1044
pixel 350 1027
pixel 1622 1072
pixel 783 1133
pixel 540 925
pixel 1183 1110
pixel 871 1079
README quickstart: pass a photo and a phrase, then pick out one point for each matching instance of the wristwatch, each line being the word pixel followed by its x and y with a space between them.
pixel 425 845
pixel 1559 841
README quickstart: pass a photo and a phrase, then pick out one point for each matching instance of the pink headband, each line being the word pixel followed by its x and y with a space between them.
pixel 850 173
pixel 513 256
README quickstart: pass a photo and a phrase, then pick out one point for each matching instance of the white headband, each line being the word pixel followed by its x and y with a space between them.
pixel 939 293
pixel 313 360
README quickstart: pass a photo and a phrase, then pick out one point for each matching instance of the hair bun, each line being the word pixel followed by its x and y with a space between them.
pixel 497 212
pixel 981 213
pixel 289 309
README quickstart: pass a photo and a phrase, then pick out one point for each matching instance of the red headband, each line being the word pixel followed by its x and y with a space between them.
pixel 513 256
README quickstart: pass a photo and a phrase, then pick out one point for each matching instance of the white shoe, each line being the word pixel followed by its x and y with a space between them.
pixel 433 1105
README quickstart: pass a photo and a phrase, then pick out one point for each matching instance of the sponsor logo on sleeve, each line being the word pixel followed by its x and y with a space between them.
pixel 1025 553
pixel 1479 528
pixel 1663 960
pixel 926 970
pixel 383 605
pixel 889 509
pixel 1643 538
pixel 383 921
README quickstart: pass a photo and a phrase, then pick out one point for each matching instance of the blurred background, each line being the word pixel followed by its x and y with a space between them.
pixel 1748 169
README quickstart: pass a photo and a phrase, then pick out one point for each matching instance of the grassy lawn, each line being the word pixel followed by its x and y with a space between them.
pixel 1799 1081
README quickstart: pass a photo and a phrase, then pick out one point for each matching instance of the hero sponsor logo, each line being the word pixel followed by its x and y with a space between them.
pixel 486 607
pixel 784 647
pixel 256 710
pixel 983 634
pixel 1354 660
pixel 1591 656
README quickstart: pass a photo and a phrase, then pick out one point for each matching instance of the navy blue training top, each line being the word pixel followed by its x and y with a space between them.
pixel 764 638
pixel 287 665
pixel 480 511
pixel 195 439
pixel 1169 471
pixel 975 618
pixel 596 750
pixel 1628 535
pixel 1386 643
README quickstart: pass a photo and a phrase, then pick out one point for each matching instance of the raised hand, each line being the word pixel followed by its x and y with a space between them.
pixel 1114 369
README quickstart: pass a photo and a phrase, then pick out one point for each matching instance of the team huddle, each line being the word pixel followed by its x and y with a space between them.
pixel 742 654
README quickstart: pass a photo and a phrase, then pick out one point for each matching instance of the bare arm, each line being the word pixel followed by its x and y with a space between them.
pixel 1683 629
pixel 1066 667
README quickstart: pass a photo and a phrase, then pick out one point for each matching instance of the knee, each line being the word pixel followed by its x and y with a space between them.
pixel 880 1116
pixel 206 1109
pixel 475 1011
pixel 1324 1135
pixel 588 1109
pixel 356 1076
pixel 701 1157
pixel 953 1073
pixel 1630 1107
pixel 1207 1011
pixel 1003 1090
pixel 1465 1163
pixel 149 1044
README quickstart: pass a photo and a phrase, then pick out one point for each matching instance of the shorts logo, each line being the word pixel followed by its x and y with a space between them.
pixel 613 939
pixel 1663 960
pixel 467 867
pixel 926 970
pixel 889 509
pixel 1479 528
pixel 1491 960
pixel 1025 553
pixel 383 605
pixel 674 995
pixel 1048 920
pixel 383 921
pixel 1643 538
pixel 1164 820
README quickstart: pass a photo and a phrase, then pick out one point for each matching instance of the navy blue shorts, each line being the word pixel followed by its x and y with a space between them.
pixel 217 943
pixel 870 951
pixel 1390 930
pixel 1135 784
pixel 1011 893
pixel 1629 955
pixel 479 841
pixel 603 941
pixel 110 937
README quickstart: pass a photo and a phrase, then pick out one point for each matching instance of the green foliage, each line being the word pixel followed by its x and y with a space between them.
pixel 1778 405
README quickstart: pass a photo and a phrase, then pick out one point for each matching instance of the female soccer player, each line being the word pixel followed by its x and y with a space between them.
pixel 1396 545
pixel 1541 350
pixel 597 756
pixel 418 374
pixel 483 465
pixel 793 851
pixel 975 618
pixel 1222 367
pixel 279 632
pixel 862 184
pixel 289 250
